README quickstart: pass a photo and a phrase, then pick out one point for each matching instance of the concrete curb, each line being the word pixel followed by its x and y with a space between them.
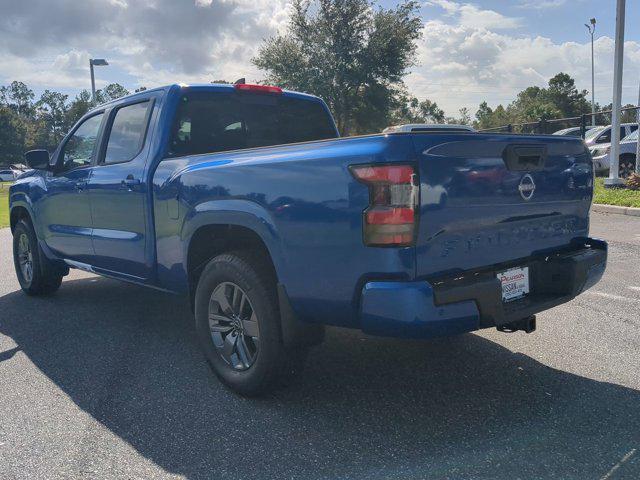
pixel 601 208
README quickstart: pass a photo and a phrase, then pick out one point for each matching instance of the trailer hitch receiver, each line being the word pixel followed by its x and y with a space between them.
pixel 527 325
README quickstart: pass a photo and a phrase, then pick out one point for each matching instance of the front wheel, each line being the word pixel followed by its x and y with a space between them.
pixel 36 274
pixel 238 324
pixel 627 165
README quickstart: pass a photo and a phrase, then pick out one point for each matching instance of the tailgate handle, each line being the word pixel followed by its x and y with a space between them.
pixel 521 158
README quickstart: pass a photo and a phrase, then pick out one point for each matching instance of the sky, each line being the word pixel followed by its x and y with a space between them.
pixel 482 50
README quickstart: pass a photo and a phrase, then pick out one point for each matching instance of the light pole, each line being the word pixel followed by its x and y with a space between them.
pixel 614 179
pixel 98 62
pixel 638 141
pixel 592 29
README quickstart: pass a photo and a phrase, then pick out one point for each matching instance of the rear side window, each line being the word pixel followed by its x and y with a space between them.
pixel 214 122
pixel 127 133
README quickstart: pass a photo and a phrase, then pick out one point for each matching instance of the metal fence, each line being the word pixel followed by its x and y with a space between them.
pixel 552 125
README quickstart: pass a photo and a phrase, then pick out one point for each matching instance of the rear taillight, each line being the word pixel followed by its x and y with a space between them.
pixel 248 87
pixel 390 219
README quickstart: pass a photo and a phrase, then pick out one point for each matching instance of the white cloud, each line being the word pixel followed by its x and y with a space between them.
pixel 449 6
pixel 472 16
pixel 71 61
pixel 66 70
pixel 541 4
pixel 460 65
pixel 468 56
pixel 200 42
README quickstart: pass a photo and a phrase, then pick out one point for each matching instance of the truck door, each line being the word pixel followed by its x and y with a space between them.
pixel 118 193
pixel 65 211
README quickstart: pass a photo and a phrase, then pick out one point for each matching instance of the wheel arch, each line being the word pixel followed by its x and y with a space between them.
pixel 231 225
pixel 19 212
pixel 219 226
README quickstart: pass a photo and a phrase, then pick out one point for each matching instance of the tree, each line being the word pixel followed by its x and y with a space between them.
pixel 25 124
pixel 409 109
pixel 18 97
pixel 628 116
pixel 373 105
pixel 463 119
pixel 559 100
pixel 51 111
pixel 563 94
pixel 111 92
pixel 78 107
pixel 484 116
pixel 533 104
pixel 12 135
pixel 347 52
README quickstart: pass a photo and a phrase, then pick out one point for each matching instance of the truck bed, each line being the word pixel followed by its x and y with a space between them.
pixel 310 209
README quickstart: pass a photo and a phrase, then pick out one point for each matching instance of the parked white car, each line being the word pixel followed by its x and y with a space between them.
pixel 627 160
pixel 7 176
pixel 428 127
pixel 600 136
pixel 573 131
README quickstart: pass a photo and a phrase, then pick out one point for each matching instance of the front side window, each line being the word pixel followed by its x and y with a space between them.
pixel 592 132
pixel 127 133
pixel 208 122
pixel 79 149
pixel 605 137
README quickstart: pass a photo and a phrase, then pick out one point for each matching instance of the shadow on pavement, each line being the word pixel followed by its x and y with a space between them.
pixel 364 408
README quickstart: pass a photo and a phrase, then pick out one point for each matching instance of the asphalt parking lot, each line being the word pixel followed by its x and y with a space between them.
pixel 105 380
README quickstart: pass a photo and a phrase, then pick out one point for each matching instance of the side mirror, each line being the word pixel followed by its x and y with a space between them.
pixel 37 159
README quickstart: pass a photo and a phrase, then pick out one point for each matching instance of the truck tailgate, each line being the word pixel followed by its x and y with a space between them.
pixel 488 199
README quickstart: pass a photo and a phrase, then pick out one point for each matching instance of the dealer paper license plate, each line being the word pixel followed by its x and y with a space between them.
pixel 515 283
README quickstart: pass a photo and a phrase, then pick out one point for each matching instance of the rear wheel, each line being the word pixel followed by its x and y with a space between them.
pixel 238 324
pixel 37 274
pixel 627 165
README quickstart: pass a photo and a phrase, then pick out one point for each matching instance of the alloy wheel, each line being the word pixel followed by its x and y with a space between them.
pixel 234 326
pixel 25 257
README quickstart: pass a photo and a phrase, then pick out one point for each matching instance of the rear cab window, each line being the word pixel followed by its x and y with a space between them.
pixel 209 121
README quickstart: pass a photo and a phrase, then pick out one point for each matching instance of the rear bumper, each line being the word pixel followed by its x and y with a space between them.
pixel 472 300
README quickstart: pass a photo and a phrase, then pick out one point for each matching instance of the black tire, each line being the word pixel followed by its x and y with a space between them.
pixel 44 277
pixel 269 362
pixel 627 165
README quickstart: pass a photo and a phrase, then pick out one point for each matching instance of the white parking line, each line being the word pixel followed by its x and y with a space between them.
pixel 611 296
pixel 624 459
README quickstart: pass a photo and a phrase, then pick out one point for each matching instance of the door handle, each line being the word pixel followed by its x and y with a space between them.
pixel 130 182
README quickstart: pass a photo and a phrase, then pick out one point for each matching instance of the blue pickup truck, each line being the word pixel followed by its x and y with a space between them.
pixel 243 198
